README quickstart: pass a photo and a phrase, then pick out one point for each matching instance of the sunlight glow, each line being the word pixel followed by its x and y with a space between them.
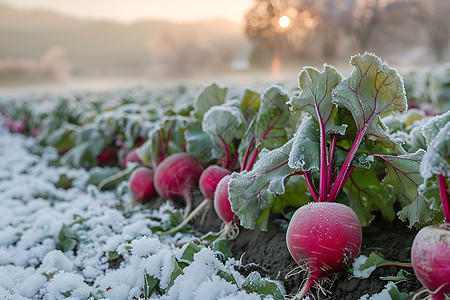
pixel 284 21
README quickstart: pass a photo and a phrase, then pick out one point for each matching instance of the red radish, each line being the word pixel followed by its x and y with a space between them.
pixel 208 182
pixel 176 175
pixel 108 154
pixel 131 156
pixel 17 126
pixel 430 255
pixel 325 237
pixel 223 209
pixel 35 131
pixel 141 185
pixel 222 203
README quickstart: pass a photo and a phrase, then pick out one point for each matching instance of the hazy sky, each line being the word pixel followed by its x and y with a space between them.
pixel 130 10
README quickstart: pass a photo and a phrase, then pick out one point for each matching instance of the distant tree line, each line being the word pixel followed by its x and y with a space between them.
pixel 324 24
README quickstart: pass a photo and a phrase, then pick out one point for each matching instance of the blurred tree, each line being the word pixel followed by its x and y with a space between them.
pixel 433 16
pixel 359 18
pixel 322 20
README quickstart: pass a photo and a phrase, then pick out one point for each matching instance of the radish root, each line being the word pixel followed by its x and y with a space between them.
pixel 187 219
pixel 426 294
pixel 231 231
pixel 113 177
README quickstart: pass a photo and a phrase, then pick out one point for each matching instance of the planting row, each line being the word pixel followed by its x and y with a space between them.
pixel 327 158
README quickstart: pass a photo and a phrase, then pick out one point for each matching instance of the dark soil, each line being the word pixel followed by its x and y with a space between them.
pixel 266 252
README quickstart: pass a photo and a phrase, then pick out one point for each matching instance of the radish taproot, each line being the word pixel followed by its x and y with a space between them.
pixel 207 183
pixel 324 237
pixel 176 175
pixel 141 185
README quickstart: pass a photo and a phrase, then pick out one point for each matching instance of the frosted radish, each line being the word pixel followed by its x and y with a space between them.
pixel 176 175
pixel 141 185
pixel 223 209
pixel 430 255
pixel 207 183
pixel 324 237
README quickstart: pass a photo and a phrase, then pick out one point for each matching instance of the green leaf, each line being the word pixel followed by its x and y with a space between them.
pixel 224 124
pixel 113 255
pixel 176 271
pixel 402 172
pixel 268 128
pixel 418 213
pixel 222 249
pixel 189 252
pixel 227 276
pixel 375 261
pixel 305 152
pixel 210 96
pixel 401 276
pixel 97 175
pixel 273 114
pixel 198 142
pixel 296 194
pixel 68 239
pixel 62 138
pixel 253 283
pixel 315 97
pixel 366 194
pixel 85 154
pixel 150 283
pixel 396 295
pixel 165 137
pixel 437 158
pixel 249 106
pixel 372 90
pixel 249 191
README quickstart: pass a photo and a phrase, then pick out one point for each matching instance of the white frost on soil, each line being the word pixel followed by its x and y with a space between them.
pixel 33 212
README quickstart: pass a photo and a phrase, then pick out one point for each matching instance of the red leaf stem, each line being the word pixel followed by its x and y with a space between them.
pixel 444 197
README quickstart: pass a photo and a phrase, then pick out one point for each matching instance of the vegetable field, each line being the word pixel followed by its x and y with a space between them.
pixel 316 190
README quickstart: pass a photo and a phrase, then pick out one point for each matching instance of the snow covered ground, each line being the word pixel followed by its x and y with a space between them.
pixel 95 229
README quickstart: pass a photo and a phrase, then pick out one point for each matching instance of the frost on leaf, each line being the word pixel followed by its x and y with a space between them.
pixel 250 105
pixel 165 138
pixel 223 124
pixel 268 127
pixel 305 150
pixel 198 143
pixel 437 134
pixel 402 172
pixel 250 191
pixel 210 96
pixel 315 96
pixel 373 90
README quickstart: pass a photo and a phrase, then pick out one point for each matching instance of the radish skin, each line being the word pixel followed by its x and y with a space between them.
pixel 108 154
pixel 430 255
pixel 131 156
pixel 222 203
pixel 207 183
pixel 176 175
pixel 325 237
pixel 141 185
pixel 209 180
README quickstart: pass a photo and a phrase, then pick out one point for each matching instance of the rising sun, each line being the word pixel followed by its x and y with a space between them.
pixel 284 21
